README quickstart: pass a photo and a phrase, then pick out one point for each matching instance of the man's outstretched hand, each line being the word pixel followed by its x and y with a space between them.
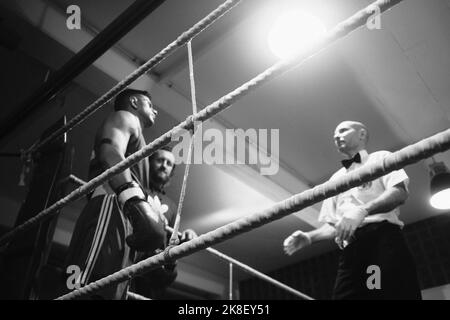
pixel 296 241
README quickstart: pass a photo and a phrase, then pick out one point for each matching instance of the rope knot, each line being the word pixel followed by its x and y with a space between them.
pixel 166 254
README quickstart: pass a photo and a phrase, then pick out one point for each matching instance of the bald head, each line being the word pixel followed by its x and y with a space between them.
pixel 351 137
pixel 357 126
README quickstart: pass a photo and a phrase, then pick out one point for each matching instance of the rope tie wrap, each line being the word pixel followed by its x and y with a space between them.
pixel 166 254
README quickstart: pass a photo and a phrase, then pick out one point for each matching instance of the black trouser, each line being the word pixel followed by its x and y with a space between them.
pixel 377 265
pixel 98 246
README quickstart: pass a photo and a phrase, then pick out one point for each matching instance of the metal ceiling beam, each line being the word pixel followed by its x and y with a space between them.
pixel 131 17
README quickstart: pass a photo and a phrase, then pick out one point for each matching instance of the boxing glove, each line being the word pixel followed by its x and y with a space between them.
pixel 148 226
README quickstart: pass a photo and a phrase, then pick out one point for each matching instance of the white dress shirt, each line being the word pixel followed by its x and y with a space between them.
pixel 333 208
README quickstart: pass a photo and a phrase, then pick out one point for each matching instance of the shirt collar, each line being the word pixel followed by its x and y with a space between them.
pixel 364 155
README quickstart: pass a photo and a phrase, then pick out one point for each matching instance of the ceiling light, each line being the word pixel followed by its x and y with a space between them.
pixel 294 31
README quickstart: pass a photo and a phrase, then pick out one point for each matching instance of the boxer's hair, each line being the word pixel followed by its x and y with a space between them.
pixel 122 100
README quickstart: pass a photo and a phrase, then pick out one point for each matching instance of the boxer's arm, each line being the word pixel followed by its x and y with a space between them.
pixel 112 142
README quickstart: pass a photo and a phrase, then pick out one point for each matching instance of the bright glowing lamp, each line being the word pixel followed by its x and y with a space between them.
pixel 293 32
pixel 440 186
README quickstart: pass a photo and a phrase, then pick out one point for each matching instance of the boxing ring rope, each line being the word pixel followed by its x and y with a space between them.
pixel 258 274
pixel 174 239
pixel 74 179
pixel 149 65
pixel 251 271
pixel 342 29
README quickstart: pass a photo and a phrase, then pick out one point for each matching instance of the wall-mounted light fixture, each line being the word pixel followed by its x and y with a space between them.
pixel 439 185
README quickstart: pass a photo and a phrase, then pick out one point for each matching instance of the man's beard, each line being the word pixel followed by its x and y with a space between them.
pixel 161 178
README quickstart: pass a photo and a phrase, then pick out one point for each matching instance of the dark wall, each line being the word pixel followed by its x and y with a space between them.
pixel 429 241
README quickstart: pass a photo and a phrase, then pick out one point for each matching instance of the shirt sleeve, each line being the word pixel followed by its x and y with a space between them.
pixel 328 211
pixel 395 177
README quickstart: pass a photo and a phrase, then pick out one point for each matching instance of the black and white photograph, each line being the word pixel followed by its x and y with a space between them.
pixel 225 156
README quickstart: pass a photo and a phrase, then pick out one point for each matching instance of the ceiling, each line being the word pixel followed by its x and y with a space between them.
pixel 395 79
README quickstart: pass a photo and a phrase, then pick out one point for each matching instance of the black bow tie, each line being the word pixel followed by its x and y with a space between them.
pixel 348 162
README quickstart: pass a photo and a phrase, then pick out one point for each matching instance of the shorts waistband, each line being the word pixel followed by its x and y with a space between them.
pixel 102 190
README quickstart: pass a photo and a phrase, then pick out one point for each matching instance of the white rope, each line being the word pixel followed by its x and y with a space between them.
pixel 176 227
